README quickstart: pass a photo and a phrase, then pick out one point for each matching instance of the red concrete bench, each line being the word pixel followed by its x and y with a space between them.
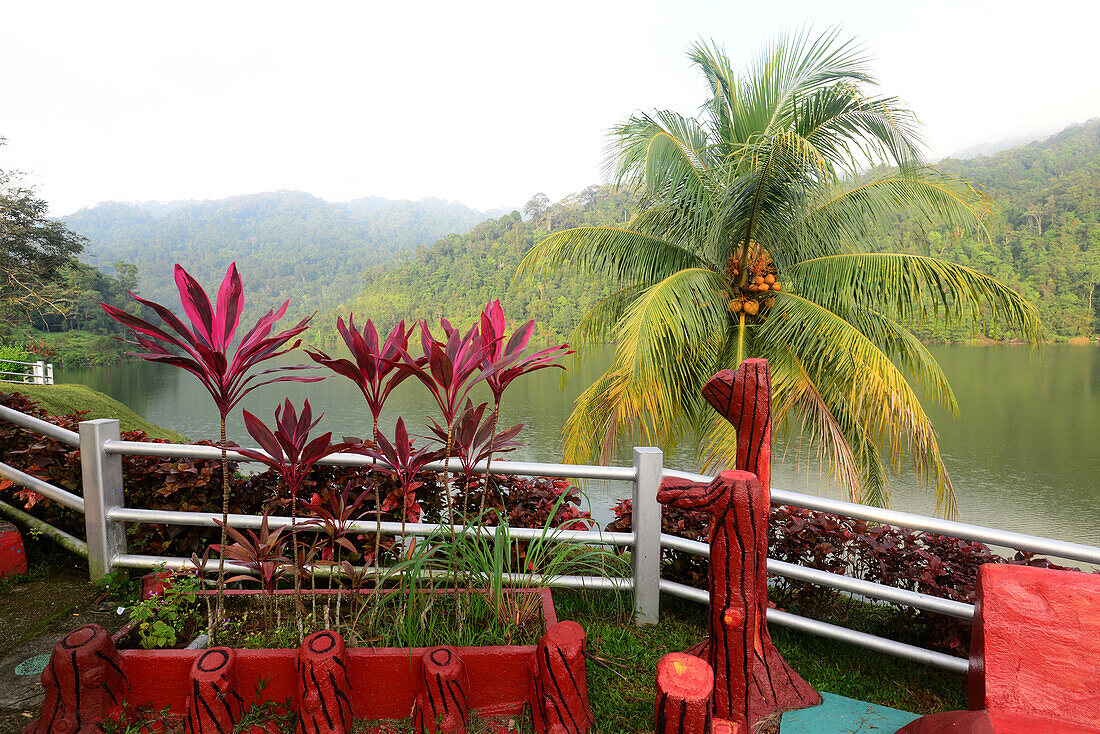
pixel 1034 656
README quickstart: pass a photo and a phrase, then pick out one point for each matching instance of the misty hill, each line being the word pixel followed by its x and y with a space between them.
pixel 996 146
pixel 287 244
pixel 460 273
pixel 1043 237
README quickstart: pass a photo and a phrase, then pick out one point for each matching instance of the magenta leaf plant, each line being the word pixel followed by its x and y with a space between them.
pixel 332 514
pixel 374 370
pixel 262 554
pixel 475 440
pixel 290 452
pixel 402 461
pixel 506 361
pixel 203 350
pixel 449 369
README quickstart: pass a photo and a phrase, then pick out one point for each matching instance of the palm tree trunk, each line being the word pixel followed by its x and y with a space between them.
pixel 219 607
pixel 740 338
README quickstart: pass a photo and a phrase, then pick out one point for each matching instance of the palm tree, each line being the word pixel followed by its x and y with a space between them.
pixel 746 244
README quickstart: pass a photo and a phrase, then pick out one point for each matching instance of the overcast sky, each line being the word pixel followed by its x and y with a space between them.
pixel 482 102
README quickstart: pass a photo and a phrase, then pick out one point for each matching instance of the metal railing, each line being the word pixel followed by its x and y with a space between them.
pixel 41 373
pixel 105 516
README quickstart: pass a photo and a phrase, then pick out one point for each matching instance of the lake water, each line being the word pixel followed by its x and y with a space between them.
pixel 1024 453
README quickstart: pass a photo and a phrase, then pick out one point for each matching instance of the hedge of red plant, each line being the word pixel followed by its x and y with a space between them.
pixel 936 565
pixel 195 485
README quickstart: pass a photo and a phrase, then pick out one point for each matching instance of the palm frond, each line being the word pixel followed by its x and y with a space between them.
pixel 915 287
pixel 847 368
pixel 629 257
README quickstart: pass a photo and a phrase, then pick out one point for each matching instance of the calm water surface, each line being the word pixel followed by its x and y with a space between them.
pixel 1024 453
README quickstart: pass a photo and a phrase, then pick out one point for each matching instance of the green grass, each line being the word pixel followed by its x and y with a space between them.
pixel 624 658
pixel 70 398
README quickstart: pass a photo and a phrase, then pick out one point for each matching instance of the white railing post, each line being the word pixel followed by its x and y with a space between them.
pixel 38 369
pixel 102 479
pixel 49 373
pixel 646 521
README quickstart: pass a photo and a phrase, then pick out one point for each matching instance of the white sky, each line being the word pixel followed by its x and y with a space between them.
pixel 483 102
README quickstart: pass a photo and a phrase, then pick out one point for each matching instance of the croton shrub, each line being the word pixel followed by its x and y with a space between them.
pixel 936 565
pixel 195 485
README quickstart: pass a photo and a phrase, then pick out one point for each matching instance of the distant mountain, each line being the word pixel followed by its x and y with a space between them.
pixel 287 244
pixel 997 146
pixel 1043 238
pixel 460 273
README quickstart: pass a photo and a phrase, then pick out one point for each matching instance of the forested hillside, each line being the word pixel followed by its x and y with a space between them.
pixel 1043 236
pixel 287 244
pixel 459 274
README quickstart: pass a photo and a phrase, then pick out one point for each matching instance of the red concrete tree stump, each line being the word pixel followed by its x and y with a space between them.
pixel 685 689
pixel 84 684
pixel 213 704
pixel 1034 655
pixel 751 678
pixel 13 556
pixel 323 686
pixel 441 706
pixel 559 702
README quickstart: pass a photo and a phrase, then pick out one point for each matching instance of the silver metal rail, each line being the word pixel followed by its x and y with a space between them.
pixel 521 468
pixel 870 589
pixel 590 583
pixel 45 489
pixel 207 519
pixel 49 430
pixel 833 632
pixel 990 536
pixel 66 541
pixel 41 372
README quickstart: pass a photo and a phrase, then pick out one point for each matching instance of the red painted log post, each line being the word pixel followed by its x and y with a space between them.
pixel 323 686
pixel 441 706
pixel 559 702
pixel 13 556
pixel 751 678
pixel 685 691
pixel 84 684
pixel 213 704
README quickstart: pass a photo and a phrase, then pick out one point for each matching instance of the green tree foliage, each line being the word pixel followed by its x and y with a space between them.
pixel 459 274
pixel 765 184
pixel 34 252
pixel 287 244
pixel 1042 238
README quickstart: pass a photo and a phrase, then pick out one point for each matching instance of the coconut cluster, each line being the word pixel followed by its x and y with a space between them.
pixel 757 293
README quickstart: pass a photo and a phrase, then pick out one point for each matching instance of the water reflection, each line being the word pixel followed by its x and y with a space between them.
pixel 1023 455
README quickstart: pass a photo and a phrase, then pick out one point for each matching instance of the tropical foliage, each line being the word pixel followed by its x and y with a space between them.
pixel 747 243
pixel 204 349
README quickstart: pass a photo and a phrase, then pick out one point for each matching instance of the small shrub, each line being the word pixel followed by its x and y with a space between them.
pixel 937 565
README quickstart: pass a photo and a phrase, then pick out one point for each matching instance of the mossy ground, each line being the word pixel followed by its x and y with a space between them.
pixel 71 398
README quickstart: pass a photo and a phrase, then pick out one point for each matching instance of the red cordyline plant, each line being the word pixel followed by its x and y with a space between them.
pixel 374 371
pixel 450 369
pixel 203 350
pixel 510 362
pixel 262 554
pixel 333 514
pixel 292 455
pixel 475 440
pixel 403 462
